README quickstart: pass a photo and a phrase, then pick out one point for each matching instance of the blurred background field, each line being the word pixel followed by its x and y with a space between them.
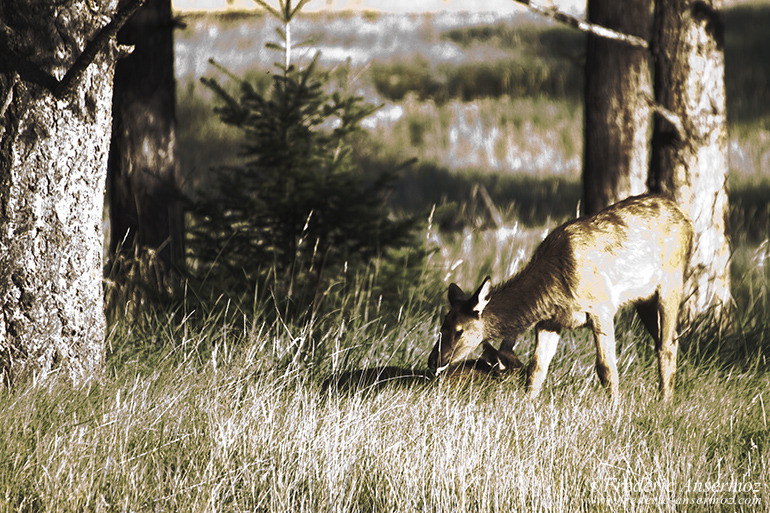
pixel 488 106
pixel 476 98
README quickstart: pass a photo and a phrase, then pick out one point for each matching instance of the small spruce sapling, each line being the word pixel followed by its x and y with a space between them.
pixel 296 211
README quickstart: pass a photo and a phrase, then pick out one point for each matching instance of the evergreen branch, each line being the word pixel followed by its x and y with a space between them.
pixel 235 110
pixel 268 8
pixel 299 7
pixel 585 26
pixel 285 10
pixel 223 69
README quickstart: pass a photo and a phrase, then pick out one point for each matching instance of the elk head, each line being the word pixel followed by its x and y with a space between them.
pixel 463 328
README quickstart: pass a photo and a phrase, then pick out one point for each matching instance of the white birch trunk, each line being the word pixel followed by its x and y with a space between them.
pixel 687 43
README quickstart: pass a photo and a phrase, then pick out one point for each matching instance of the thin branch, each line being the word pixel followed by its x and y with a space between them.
pixel 28 71
pixel 673 119
pixel 95 46
pixel 496 217
pixel 8 93
pixel 585 26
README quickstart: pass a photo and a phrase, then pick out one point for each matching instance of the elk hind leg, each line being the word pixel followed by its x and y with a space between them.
pixel 668 344
pixel 606 361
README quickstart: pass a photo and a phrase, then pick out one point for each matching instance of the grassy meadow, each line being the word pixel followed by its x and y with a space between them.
pixel 233 407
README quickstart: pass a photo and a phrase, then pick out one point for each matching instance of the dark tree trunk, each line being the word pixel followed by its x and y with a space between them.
pixel 616 119
pixel 690 162
pixel 53 165
pixel 145 210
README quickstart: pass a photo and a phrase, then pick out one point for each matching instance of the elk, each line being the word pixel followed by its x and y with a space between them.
pixel 493 362
pixel 635 251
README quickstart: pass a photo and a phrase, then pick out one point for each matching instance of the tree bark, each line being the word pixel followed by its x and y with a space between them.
pixel 145 209
pixel 691 163
pixel 616 119
pixel 53 164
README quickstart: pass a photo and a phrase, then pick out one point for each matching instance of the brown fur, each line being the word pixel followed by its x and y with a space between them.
pixel 635 251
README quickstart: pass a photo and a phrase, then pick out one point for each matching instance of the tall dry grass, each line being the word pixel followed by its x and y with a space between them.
pixel 219 413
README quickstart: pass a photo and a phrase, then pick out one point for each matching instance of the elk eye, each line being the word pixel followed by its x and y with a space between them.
pixel 459 332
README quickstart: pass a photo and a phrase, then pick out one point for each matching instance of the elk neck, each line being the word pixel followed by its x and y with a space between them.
pixel 537 293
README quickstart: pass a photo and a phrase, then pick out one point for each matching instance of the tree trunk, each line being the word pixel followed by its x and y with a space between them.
pixel 145 210
pixel 53 164
pixel 691 164
pixel 616 119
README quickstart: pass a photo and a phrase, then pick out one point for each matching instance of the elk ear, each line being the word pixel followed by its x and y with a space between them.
pixel 456 294
pixel 481 297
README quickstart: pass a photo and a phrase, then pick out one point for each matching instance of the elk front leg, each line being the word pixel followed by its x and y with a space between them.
pixel 507 344
pixel 545 348
pixel 606 362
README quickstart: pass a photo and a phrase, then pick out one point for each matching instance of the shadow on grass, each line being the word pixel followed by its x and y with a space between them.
pixel 459 195
pixel 537 61
pixel 493 364
pixel 535 201
pixel 742 347
pixel 375 378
